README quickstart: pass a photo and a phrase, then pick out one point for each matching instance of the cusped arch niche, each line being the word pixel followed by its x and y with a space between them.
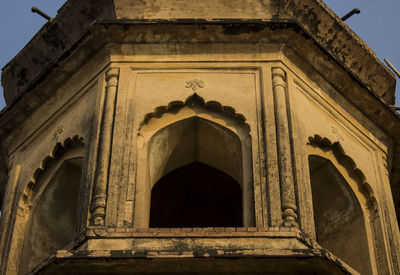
pixel 194 132
pixel 345 208
pixel 48 219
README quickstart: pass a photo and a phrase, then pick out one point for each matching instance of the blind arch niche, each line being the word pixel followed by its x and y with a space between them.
pixel 191 135
pixel 346 210
pixel 49 207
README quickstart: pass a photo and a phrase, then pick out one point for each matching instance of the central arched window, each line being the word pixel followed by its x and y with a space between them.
pixel 194 170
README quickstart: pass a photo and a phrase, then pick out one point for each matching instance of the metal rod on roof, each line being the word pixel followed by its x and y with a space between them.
pixel 390 65
pixel 395 108
pixel 41 13
pixel 350 14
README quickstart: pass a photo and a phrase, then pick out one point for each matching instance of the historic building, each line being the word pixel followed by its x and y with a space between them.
pixel 209 136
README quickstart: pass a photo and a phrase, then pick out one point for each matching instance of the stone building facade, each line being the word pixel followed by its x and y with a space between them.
pixel 173 136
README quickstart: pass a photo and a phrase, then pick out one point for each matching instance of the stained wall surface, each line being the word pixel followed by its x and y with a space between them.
pixel 135 102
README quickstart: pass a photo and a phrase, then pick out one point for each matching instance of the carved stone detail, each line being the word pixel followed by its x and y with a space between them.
pixel 338 151
pixel 58 132
pixel 199 101
pixel 99 197
pixel 286 177
pixel 47 161
pixel 194 84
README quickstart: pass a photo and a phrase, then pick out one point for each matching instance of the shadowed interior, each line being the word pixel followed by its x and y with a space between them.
pixel 52 225
pixel 339 219
pixel 196 195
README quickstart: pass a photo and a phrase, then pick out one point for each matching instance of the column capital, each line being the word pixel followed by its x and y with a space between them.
pixel 112 72
pixel 277 71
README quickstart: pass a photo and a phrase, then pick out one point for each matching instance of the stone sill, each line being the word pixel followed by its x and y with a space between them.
pixel 228 261
pixel 216 232
pixel 211 250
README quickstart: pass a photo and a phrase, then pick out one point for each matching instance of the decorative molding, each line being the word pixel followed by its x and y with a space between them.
pixel 337 133
pixel 99 196
pixel 195 100
pixel 55 154
pixel 96 232
pixel 194 84
pixel 286 175
pixel 58 132
pixel 335 147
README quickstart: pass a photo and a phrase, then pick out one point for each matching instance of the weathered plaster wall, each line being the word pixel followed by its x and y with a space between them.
pixel 69 113
pixel 121 90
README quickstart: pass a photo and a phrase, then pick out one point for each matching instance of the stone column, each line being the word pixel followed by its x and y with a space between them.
pixel 99 197
pixel 288 197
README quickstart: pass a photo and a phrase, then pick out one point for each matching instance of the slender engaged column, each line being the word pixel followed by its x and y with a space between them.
pixel 288 197
pixel 99 198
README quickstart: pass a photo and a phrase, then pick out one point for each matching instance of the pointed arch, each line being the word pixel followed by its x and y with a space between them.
pixel 345 207
pixel 193 131
pixel 336 148
pixel 48 161
pixel 195 100
pixel 48 207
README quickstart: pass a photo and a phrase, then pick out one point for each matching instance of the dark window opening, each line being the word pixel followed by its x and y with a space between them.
pixel 196 195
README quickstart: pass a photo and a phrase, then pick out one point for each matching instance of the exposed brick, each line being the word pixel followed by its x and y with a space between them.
pixel 284 229
pixel 230 229
pixel 120 229
pixel 241 229
pixel 153 230
pixel 111 229
pixel 187 229
pixel 176 230
pixel 251 229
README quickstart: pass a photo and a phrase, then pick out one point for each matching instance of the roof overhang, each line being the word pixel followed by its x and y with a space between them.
pixel 316 20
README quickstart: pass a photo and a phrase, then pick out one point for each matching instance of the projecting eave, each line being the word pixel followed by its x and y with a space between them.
pixel 312 16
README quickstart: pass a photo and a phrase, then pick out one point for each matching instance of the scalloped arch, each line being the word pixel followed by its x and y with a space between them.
pixel 195 100
pixel 53 156
pixel 326 145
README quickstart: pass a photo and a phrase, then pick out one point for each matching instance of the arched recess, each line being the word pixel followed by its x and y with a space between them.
pixel 48 217
pixel 191 132
pixel 345 209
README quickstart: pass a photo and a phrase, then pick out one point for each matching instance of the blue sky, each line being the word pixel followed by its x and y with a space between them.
pixel 378 25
